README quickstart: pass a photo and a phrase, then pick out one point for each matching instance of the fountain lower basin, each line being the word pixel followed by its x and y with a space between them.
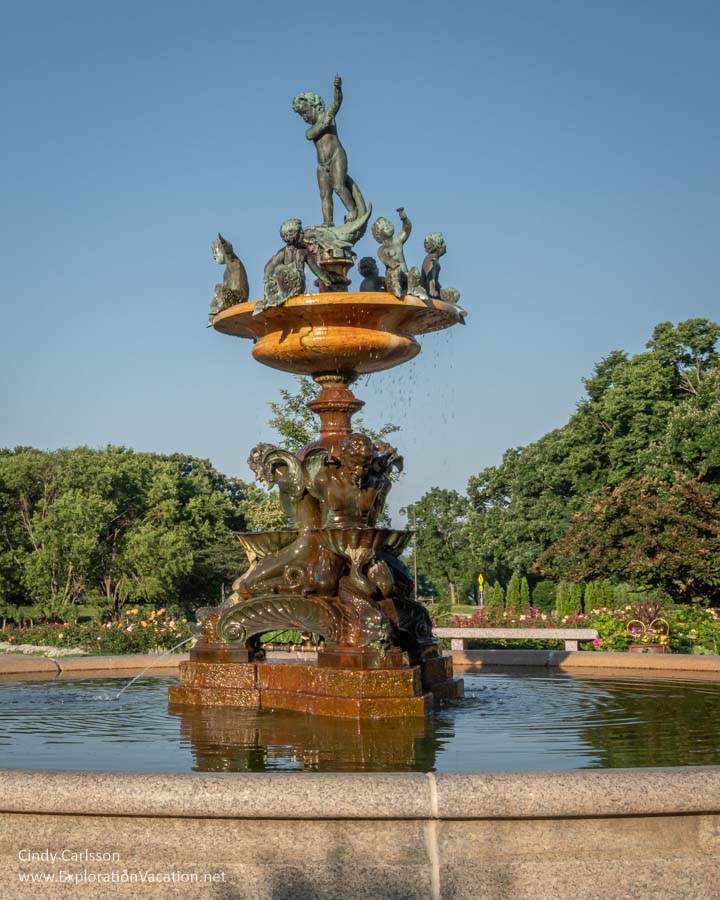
pixel 411 834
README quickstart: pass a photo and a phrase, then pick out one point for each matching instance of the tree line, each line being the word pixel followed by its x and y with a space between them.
pixel 98 529
pixel 627 490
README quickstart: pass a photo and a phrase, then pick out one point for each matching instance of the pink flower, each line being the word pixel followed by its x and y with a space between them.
pixel 597 642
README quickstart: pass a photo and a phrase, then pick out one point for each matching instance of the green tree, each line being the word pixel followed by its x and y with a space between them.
pixel 568 599
pixel 543 595
pixel 647 532
pixel 113 526
pixel 298 426
pixel 441 551
pixel 657 411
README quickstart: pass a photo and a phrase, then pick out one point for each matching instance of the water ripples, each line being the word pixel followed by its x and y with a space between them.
pixel 505 722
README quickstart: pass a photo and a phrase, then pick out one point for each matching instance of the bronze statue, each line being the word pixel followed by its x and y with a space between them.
pixel 391 254
pixel 332 173
pixel 234 288
pixel 284 274
pixel 330 570
pixel 435 247
pixel 372 281
pixel 331 248
pixel 414 284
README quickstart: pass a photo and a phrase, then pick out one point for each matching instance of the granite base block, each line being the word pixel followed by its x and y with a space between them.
pixel 411 691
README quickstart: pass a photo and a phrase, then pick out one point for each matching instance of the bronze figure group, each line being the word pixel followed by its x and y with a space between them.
pixel 332 570
pixel 327 249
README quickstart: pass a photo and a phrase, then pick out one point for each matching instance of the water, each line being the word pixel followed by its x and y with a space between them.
pixel 154 663
pixel 507 722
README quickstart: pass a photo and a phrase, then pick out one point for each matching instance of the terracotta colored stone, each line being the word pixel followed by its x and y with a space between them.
pixel 307 688
pixel 218 675
pixel 204 696
pixel 348 707
pixel 337 332
pixel 339 682
pixel 366 659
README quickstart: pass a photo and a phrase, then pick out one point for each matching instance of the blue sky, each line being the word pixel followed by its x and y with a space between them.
pixel 568 150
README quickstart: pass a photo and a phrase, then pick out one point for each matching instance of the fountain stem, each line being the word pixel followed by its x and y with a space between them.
pixel 335 404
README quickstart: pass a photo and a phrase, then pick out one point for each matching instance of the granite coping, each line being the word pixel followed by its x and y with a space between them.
pixel 11 663
pixel 479 795
pixel 571 660
pixel 16 663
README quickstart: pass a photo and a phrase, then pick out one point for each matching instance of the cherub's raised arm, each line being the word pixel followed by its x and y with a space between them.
pixel 406 225
pixel 338 98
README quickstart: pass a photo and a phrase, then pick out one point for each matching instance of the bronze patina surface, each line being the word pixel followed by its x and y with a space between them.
pixel 333 571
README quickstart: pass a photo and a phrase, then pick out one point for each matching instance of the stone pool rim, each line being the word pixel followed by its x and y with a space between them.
pixel 588 833
pixel 564 660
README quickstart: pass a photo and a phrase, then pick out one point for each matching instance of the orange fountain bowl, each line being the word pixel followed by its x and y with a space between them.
pixel 337 332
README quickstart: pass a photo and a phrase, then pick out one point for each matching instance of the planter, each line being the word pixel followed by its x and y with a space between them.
pixel 648 648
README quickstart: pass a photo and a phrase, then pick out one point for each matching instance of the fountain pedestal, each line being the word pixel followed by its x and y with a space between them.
pixel 333 572
pixel 315 690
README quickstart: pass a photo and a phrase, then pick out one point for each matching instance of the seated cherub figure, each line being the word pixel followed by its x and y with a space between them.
pixel 234 288
pixel 435 247
pixel 372 282
pixel 391 253
pixel 284 274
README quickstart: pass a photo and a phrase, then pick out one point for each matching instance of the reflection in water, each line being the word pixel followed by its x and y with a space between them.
pixel 507 721
pixel 239 740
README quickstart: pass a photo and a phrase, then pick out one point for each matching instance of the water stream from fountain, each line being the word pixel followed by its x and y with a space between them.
pixel 153 663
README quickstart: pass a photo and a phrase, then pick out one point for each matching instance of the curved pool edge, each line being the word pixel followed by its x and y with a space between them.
pixel 586 660
pixel 565 660
pixel 589 833
pixel 476 795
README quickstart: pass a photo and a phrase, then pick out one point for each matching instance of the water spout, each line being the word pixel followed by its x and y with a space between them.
pixel 154 662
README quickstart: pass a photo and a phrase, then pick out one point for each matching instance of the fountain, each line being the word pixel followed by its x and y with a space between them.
pixel 373 809
pixel 333 571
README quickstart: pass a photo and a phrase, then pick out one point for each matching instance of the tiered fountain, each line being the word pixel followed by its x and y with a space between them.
pixel 332 571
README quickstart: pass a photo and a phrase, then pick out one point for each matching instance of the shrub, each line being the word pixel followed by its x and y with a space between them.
pixel 568 599
pixel 513 592
pixel 543 595
pixel 524 593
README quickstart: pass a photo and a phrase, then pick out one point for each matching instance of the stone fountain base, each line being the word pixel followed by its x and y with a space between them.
pixel 317 690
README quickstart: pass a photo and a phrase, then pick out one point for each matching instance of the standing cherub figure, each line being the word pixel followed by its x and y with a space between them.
pixel 391 254
pixel 332 170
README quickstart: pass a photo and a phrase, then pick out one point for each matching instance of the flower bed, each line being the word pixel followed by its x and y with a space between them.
pixel 691 629
pixel 136 632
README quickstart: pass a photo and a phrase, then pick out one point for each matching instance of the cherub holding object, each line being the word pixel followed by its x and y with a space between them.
pixel 372 282
pixel 284 274
pixel 332 170
pixel 391 254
